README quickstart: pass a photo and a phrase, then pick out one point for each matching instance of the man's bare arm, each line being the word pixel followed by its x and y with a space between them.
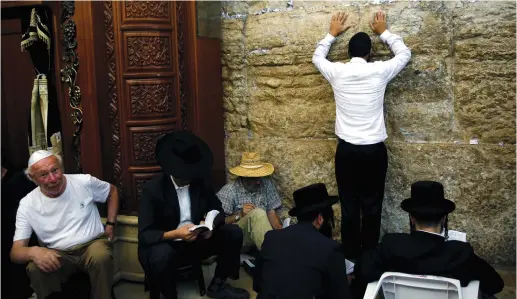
pixel 46 259
pixel 274 220
pixel 113 204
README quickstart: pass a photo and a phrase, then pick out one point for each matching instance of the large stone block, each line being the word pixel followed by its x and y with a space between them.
pixel 485 30
pixel 293 120
pixel 421 122
pixel 479 179
pixel 486 110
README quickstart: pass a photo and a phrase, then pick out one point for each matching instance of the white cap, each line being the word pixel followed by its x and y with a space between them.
pixel 38 156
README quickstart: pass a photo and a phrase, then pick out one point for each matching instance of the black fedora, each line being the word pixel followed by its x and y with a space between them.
pixel 311 198
pixel 183 155
pixel 427 198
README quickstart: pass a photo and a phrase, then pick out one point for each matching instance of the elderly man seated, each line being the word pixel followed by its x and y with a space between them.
pixel 251 201
pixel 62 213
pixel 426 249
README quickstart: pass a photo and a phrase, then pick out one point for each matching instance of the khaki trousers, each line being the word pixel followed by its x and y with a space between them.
pixel 94 257
pixel 254 226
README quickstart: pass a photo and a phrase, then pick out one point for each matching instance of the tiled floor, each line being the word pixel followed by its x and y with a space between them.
pixel 189 290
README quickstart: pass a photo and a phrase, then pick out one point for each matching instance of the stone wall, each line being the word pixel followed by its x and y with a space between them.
pixel 458 87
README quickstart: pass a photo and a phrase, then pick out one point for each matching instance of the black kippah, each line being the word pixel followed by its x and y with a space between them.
pixel 359 45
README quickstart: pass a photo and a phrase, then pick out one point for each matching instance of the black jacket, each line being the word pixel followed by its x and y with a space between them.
pixel 425 253
pixel 299 262
pixel 159 209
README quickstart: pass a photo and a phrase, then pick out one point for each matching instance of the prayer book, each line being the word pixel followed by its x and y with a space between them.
pixel 209 222
pixel 455 235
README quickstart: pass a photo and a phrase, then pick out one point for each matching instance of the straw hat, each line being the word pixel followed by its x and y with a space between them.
pixel 251 166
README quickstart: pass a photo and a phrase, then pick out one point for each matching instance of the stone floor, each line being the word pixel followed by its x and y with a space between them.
pixel 189 290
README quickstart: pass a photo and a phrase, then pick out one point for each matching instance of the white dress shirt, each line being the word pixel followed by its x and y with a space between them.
pixel 359 89
pixel 184 202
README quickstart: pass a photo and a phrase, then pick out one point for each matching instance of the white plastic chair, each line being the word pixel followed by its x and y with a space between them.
pixel 406 286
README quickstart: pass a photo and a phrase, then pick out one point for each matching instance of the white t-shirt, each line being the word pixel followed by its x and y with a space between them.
pixel 65 221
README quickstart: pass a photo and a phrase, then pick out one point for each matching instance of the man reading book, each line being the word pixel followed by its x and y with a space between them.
pixel 425 251
pixel 171 204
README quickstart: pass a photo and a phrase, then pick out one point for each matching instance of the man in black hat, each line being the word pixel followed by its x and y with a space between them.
pixel 302 261
pixel 171 203
pixel 361 158
pixel 426 249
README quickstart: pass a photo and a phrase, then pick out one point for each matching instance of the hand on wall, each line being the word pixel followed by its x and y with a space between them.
pixel 337 24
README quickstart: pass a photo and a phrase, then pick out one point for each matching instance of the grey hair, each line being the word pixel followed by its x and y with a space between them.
pixel 28 171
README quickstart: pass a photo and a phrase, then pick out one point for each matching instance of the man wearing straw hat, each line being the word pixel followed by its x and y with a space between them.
pixel 427 250
pixel 62 212
pixel 252 201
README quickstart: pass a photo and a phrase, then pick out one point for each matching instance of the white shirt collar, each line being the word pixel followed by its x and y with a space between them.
pixel 358 59
pixel 441 235
pixel 176 186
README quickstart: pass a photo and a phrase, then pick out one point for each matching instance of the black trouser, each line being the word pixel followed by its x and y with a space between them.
pixel 160 261
pixel 360 176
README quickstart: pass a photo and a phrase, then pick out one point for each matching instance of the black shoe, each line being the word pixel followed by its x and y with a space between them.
pixel 219 289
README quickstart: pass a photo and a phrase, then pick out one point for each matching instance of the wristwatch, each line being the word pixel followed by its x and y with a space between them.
pixel 237 217
pixel 114 224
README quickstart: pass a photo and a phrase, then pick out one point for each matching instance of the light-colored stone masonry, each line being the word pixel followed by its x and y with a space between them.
pixel 458 86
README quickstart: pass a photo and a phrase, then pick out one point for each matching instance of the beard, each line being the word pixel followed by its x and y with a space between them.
pixel 326 228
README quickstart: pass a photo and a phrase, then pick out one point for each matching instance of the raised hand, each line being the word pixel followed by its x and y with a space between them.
pixel 337 23
pixel 379 23
pixel 46 259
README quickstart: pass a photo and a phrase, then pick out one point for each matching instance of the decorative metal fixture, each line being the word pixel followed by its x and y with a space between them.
pixel 69 76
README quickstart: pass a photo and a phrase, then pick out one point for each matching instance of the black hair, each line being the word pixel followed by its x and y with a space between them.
pixel 430 220
pixel 359 45
pixel 326 212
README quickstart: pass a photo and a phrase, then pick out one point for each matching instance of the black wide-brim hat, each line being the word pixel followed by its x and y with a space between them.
pixel 311 198
pixel 427 198
pixel 183 155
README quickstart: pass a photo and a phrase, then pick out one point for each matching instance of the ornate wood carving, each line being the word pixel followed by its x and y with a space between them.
pixel 144 145
pixel 180 25
pixel 146 51
pixel 147 9
pixel 138 187
pixel 113 97
pixel 69 76
pixel 151 98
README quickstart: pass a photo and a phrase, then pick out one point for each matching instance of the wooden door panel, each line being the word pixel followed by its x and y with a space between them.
pixel 152 99
pixel 147 12
pixel 145 47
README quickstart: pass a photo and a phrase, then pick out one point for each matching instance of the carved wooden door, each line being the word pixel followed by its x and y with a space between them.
pixel 144 52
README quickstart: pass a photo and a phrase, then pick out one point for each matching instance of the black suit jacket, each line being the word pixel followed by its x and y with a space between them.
pixel 299 262
pixel 159 209
pixel 425 253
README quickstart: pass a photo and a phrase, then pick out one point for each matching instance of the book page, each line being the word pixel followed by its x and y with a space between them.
pixel 209 222
pixel 349 266
pixel 455 235
pixel 286 222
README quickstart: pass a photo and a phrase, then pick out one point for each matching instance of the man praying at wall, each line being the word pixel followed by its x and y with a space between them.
pixel 361 158
pixel 62 213
pixel 252 201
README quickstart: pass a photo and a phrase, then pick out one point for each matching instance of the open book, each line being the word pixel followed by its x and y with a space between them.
pixel 349 267
pixel 455 235
pixel 209 222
